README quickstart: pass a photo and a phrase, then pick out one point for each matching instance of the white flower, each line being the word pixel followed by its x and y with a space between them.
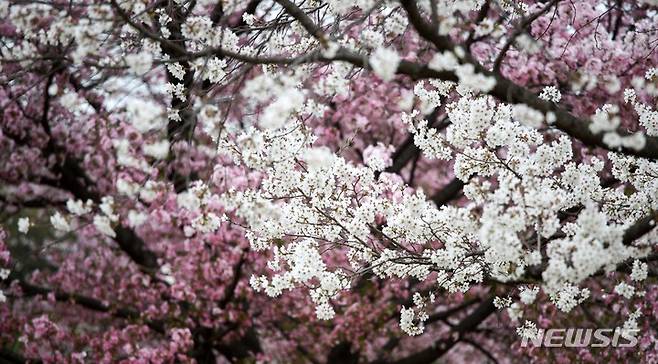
pixel 378 157
pixel 612 139
pixel 278 112
pixel 139 63
pixel 207 223
pixel 59 222
pixel 316 158
pixel 136 218
pixel 408 324
pixel 169 280
pixel 102 224
pixel 324 311
pixel 640 271
pixel 157 150
pixel 144 116
pixel 473 80
pixel 527 116
pixel 248 19
pixel 630 326
pixel 606 119
pixel 446 61
pixel 528 44
pixel 215 70
pixel 24 225
pixel 515 312
pixel 305 261
pixel 176 70
pixel 330 50
pixel 173 115
pixel 528 330
pixel 635 141
pixel 258 283
pixel 126 187
pixel 568 297
pixel 550 93
pixel 384 62
pixel 396 24
pixel 625 290
pixel 125 156
pixel 188 231
pixel 107 207
pixel 500 303
pixel 52 90
pixel 528 295
pixel 149 192
pixel 372 39
pixel 177 90
pixel 188 200
pixel 77 207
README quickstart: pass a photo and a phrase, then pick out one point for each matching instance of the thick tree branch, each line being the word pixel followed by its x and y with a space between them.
pixel 448 192
pixel 10 357
pixel 507 91
pixel 640 228
pixel 89 303
pixel 408 150
pixel 524 24
pixel 442 346
pixel 304 19
pixel 72 178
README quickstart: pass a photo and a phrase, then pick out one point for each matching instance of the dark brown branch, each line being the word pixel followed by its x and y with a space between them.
pixel 229 291
pixel 72 178
pixel 639 229
pixel 88 303
pixel 481 349
pixel 442 346
pixel 11 357
pixel 448 192
pixel 525 23
pixel 507 91
pixel 408 150
pixel 341 353
pixel 442 315
pixel 618 22
pixel 304 20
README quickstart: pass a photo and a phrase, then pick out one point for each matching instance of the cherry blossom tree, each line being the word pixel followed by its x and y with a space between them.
pixel 295 181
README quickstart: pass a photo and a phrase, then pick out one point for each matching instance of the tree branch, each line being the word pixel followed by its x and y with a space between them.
pixel 88 303
pixel 442 346
pixel 507 91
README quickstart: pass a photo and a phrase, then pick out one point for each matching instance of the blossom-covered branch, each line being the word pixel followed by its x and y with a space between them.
pixel 325 181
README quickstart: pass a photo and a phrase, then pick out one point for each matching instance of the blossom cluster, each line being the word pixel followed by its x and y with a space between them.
pixel 325 181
